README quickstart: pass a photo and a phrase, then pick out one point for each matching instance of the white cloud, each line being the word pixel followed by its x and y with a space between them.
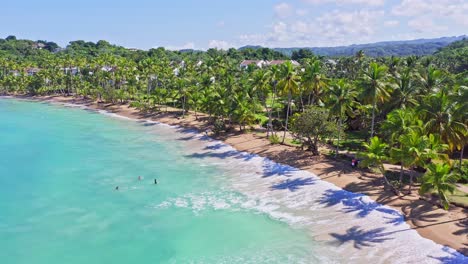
pixel 300 27
pixel 188 45
pixel 219 44
pixel 283 10
pixel 454 10
pixel 347 2
pixel 345 27
pixel 302 12
pixel 425 25
pixel 391 23
pixel 331 28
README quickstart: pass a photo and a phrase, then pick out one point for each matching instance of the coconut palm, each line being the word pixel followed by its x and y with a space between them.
pixel 405 91
pixel 375 155
pixel 288 85
pixel 341 100
pixel 430 79
pixel 314 82
pixel 417 150
pixel 261 81
pixel 375 87
pixel 439 179
pixel 441 117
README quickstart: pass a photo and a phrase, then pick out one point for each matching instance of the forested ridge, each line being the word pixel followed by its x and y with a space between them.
pixel 409 111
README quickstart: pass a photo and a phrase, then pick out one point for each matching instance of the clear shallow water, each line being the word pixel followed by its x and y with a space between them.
pixel 59 168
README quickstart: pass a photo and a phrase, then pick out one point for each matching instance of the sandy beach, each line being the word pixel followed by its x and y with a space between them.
pixel 448 228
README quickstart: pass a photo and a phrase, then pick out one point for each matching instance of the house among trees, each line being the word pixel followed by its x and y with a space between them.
pixel 279 62
pixel 38 45
pixel 71 70
pixel 261 63
pixel 32 71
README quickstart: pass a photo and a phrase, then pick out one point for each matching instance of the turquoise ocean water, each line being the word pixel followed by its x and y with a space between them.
pixel 59 166
pixel 58 171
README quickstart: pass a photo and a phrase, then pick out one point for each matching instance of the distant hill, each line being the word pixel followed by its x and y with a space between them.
pixel 454 56
pixel 418 47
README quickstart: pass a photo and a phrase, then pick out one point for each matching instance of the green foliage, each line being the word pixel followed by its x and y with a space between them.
pixel 375 155
pixel 312 126
pixel 461 170
pixel 438 178
pixel 302 54
pixel 274 139
pixel 219 126
pixel 454 57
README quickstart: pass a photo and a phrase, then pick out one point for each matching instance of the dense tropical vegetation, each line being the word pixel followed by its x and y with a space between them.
pixel 411 111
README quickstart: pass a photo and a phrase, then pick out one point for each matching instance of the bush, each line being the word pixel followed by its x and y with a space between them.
pixel 219 126
pixel 312 126
pixel 277 124
pixel 274 139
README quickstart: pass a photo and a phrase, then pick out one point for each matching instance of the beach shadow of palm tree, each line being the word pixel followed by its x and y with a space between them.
pixel 452 258
pixel 293 185
pixel 354 203
pixel 420 213
pixel 361 238
pixel 464 228
pixel 271 168
pixel 222 155
pixel 187 138
pixel 333 197
pixel 214 147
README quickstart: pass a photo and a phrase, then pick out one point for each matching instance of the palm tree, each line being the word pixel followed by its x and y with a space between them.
pixel 416 150
pixel 438 178
pixel 405 88
pixel 262 84
pixel 288 84
pixel 399 122
pixel 375 155
pixel 314 81
pixel 374 81
pixel 460 97
pixel 430 79
pixel 440 114
pixel 342 99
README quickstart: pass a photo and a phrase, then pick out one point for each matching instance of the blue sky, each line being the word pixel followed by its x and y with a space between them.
pixel 203 24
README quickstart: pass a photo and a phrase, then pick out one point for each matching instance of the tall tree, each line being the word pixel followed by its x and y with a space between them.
pixel 341 100
pixel 375 87
pixel 289 85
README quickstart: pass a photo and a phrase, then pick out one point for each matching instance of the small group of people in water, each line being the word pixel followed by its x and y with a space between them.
pixel 139 178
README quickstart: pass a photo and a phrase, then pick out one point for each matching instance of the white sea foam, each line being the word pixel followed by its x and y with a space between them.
pixel 351 226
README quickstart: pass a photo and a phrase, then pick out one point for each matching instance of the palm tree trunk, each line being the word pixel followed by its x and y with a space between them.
pixel 401 174
pixel 373 118
pixel 183 108
pixel 339 134
pixel 461 155
pixel 302 103
pixel 287 117
pixel 410 182
pixel 310 98
pixel 269 125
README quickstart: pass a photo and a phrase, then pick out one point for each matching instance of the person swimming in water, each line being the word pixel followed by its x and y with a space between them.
pixel 116 188
pixel 139 178
pixel 155 181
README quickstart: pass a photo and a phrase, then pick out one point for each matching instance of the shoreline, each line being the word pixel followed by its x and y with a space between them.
pixel 449 228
